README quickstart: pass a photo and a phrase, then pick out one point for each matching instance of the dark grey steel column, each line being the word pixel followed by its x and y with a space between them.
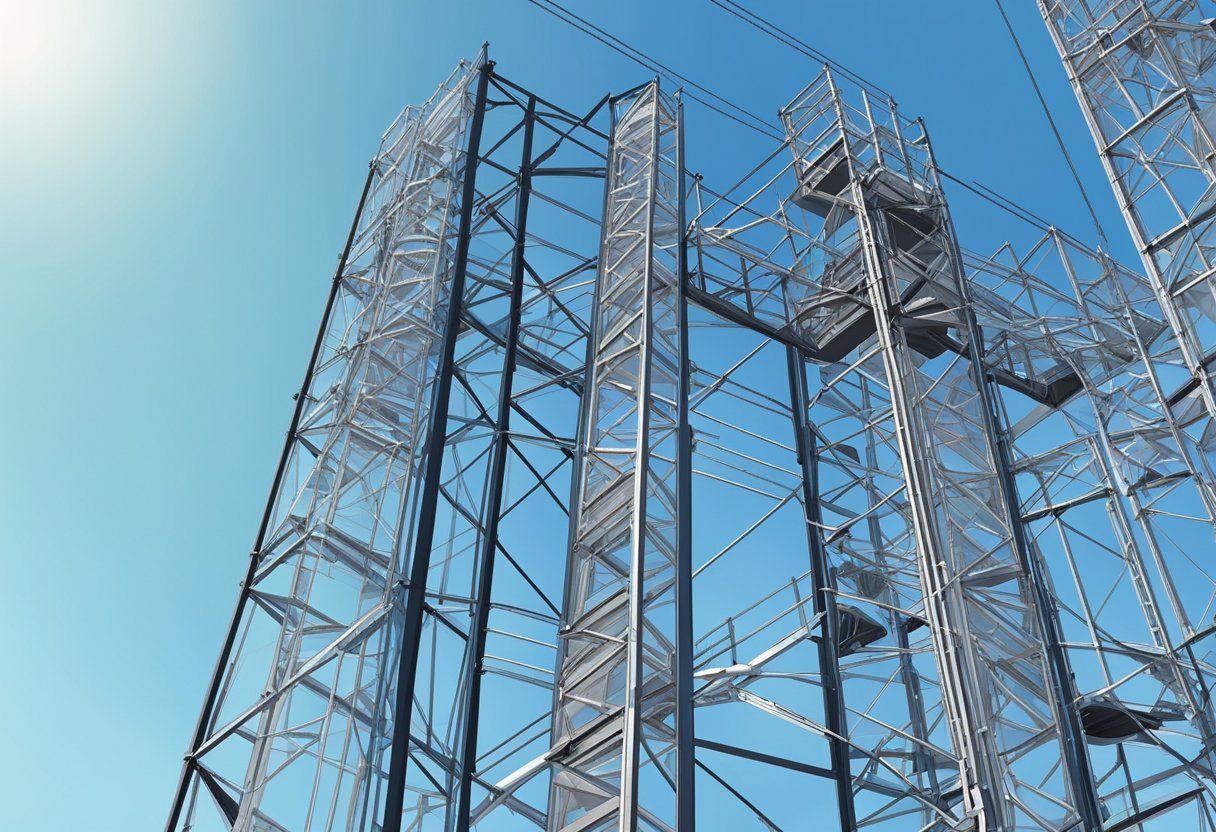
pixel 436 438
pixel 498 467
pixel 824 599
pixel 686 811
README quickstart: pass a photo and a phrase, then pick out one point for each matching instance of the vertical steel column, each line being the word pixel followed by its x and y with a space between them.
pixel 436 437
pixel 908 674
pixel 498 466
pixel 686 807
pixel 824 600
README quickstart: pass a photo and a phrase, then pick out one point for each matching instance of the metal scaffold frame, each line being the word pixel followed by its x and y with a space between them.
pixel 612 501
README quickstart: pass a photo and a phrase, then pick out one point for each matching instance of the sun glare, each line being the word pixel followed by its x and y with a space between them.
pixel 55 61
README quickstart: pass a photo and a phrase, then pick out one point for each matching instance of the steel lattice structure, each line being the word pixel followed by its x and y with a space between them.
pixel 615 501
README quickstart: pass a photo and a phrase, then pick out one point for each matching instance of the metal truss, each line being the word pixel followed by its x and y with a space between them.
pixel 613 500
pixel 616 698
pixel 1143 74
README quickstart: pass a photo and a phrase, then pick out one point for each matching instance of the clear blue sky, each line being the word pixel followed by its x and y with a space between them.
pixel 176 180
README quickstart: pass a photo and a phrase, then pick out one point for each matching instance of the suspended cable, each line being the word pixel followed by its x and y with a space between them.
pixel 1051 121
pixel 771 29
pixel 637 56
pixel 999 201
pixel 642 59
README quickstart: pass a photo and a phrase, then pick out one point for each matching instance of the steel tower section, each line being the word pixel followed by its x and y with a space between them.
pixel 302 693
pixel 1006 686
pixel 1106 492
pixel 443 394
pixel 616 708
pixel 1145 76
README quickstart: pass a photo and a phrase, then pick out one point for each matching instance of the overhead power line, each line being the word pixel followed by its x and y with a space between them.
pixel 740 114
pixel 776 32
pixel 749 119
pixel 1076 177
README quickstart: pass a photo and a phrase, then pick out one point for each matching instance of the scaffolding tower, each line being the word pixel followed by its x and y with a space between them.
pixel 612 501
